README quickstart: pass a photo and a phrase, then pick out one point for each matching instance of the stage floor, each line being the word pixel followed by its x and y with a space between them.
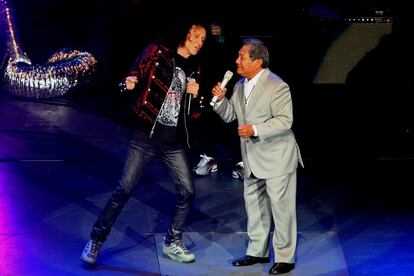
pixel 59 162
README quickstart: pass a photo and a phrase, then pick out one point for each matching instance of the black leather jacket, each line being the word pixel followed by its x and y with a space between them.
pixel 154 69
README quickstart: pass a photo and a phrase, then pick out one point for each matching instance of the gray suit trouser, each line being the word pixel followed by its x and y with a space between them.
pixel 266 199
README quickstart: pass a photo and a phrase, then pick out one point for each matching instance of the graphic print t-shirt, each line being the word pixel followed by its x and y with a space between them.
pixel 165 132
pixel 171 108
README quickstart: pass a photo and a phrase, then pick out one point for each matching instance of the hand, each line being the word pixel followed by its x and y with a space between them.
pixel 245 131
pixel 192 87
pixel 219 92
pixel 215 29
pixel 130 82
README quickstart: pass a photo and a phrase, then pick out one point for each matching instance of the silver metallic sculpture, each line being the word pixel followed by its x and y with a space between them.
pixel 64 70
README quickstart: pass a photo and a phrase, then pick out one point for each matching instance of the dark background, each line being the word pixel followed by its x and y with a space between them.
pixel 368 117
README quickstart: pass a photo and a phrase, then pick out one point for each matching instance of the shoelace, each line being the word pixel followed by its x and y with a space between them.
pixel 94 247
pixel 204 160
pixel 180 244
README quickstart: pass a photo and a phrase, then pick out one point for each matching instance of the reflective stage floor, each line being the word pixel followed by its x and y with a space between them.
pixel 59 162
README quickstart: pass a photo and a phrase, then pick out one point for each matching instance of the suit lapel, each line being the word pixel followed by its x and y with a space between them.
pixel 241 98
pixel 257 91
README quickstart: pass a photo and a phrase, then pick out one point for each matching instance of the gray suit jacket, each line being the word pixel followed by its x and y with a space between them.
pixel 274 152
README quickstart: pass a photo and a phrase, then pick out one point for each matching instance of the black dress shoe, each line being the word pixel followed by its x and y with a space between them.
pixel 250 260
pixel 280 268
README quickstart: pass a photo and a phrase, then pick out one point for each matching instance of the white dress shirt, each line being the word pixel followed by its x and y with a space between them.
pixel 248 90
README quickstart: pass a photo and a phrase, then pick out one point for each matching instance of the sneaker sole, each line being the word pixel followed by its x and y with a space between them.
pixel 177 259
pixel 88 261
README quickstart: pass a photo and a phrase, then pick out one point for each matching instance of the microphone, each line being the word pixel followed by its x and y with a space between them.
pixel 227 76
pixel 190 80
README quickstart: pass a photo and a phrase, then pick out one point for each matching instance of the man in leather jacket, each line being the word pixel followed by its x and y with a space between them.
pixel 162 82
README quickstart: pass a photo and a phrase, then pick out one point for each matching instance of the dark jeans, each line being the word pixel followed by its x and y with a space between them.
pixel 140 152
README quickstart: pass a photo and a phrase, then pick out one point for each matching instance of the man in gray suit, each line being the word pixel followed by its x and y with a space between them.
pixel 262 104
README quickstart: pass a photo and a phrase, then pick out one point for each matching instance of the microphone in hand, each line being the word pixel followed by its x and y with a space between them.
pixel 190 97
pixel 227 76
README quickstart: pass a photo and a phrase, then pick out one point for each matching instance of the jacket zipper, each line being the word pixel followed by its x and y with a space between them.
pixel 163 102
pixel 187 102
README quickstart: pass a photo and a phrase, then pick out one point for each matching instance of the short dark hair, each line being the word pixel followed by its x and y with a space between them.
pixel 258 50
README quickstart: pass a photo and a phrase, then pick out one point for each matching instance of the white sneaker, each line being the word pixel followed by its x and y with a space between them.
pixel 206 165
pixel 91 251
pixel 238 171
pixel 177 251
